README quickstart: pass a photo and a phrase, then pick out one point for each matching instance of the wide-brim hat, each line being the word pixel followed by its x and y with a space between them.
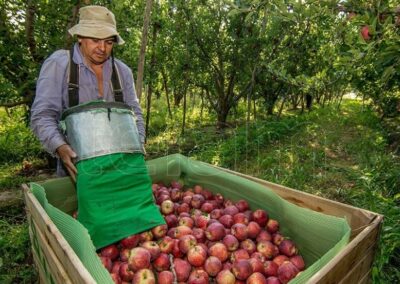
pixel 96 22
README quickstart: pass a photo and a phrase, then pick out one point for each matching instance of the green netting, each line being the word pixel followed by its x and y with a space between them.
pixel 319 237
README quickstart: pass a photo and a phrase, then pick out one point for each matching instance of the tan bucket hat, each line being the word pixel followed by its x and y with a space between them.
pixel 96 22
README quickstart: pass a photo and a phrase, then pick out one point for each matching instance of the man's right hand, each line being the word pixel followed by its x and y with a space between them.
pixel 67 155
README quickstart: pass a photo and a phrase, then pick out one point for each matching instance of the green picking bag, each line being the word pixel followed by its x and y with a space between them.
pixel 115 198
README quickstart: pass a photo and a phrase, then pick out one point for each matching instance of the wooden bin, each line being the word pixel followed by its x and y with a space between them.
pixel 56 262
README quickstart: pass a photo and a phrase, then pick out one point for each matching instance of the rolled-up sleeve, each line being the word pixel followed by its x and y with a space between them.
pixel 132 100
pixel 48 104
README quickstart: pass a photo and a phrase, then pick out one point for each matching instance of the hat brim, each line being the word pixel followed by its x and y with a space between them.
pixel 95 31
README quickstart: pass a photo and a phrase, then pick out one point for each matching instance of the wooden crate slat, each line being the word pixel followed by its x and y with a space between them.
pixel 73 265
pixel 40 269
pixel 361 269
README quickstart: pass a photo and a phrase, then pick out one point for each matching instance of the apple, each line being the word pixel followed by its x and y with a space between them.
pixel 298 261
pixel 253 230
pixel 256 278
pixel 201 221
pixel 226 220
pixel 181 231
pixel 197 277
pixel 216 213
pixel 176 194
pixel 183 207
pixel 110 251
pixel 139 258
pixel 159 231
pixel 258 256
pixel 287 271
pixel 280 259
pixel 171 220
pixel 261 217
pixel 256 265
pixel 242 269
pixel 125 272
pixel 270 268
pixel 197 201
pixel 177 184
pixel 165 277
pixel 186 221
pixel 124 254
pixel 166 244
pixel 272 226
pixel 215 231
pixel 197 255
pixel 130 241
pixel 144 276
pixel 176 252
pixel 267 249
pixel 277 238
pixel 182 269
pixel 162 262
pixel 239 231
pixel 239 254
pixel 231 210
pixel 288 248
pixel 145 236
pixel 152 247
pixel 208 195
pixel 107 262
pixel 248 245
pixel 365 32
pixel 207 207
pixel 219 250
pixel 240 218
pixel 231 242
pixel 219 198
pixel 187 242
pixel 161 198
pixel 273 280
pixel 225 277
pixel 115 277
pixel 264 236
pixel 213 265
pixel 199 235
pixel 167 207
pixel 115 266
pixel 242 205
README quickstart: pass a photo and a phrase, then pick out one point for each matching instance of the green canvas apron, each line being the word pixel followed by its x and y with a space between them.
pixel 113 185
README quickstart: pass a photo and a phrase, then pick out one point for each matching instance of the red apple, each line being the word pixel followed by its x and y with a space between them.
pixel 184 207
pixel 231 210
pixel 125 272
pixel 144 276
pixel 253 230
pixel 115 277
pixel 161 198
pixel 166 244
pixel 177 184
pixel 181 231
pixel 186 221
pixel 110 251
pixel 225 277
pixel 256 278
pixel 240 218
pixel 199 235
pixel 176 252
pixel 231 242
pixel 256 265
pixel 213 265
pixel 215 231
pixel 242 205
pixel 280 259
pixel 288 248
pixel 130 242
pixel 365 33
pixel 248 245
pixel 201 221
pixel 270 268
pixel 298 261
pixel 219 198
pixel 239 254
pixel 197 201
pixel 162 262
pixel 167 207
pixel 264 236
pixel 107 262
pixel 258 256
pixel 226 220
pixel 273 280
pixel 197 255
pixel 208 195
pixel 124 254
pixel 115 266
pixel 152 247
pixel 261 217
pixel 171 220
pixel 272 226
pixel 242 269
pixel 187 242
pixel 216 213
pixel 146 236
pixel 267 249
pixel 182 269
pixel 139 258
pixel 165 277
pixel 159 231
pixel 239 231
pixel 186 199
pixel 176 195
pixel 219 250
pixel 287 271
pixel 277 238
pixel 207 207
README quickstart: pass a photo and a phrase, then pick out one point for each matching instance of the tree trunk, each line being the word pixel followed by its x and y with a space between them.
pixel 148 108
pixel 184 111
pixel 142 53
pixel 165 84
pixel 71 23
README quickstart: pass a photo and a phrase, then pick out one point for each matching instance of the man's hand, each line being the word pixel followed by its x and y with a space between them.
pixel 67 155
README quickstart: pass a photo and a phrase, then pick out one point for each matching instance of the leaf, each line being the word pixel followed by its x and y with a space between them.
pixel 388 73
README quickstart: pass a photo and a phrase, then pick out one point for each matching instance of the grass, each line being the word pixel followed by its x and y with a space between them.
pixel 338 154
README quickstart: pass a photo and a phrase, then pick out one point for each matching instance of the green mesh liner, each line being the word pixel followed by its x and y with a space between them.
pixel 319 237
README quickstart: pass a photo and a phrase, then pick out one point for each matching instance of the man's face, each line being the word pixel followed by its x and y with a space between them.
pixel 96 51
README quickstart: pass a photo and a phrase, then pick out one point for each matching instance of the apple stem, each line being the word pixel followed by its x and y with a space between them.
pixel 171 260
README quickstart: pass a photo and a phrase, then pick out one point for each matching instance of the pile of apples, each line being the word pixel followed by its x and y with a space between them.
pixel 206 239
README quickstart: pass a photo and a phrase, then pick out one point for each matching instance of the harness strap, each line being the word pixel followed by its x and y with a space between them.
pixel 73 84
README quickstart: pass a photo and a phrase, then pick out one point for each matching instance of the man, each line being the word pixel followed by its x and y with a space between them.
pixel 113 186
pixel 97 36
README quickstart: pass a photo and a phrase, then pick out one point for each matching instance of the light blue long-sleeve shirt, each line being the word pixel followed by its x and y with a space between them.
pixel 52 94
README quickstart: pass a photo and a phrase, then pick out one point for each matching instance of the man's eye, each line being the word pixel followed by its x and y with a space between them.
pixel 110 42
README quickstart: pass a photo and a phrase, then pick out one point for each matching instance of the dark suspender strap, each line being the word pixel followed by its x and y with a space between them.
pixel 116 84
pixel 73 84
